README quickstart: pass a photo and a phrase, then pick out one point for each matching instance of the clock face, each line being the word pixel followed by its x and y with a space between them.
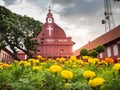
pixel 49 20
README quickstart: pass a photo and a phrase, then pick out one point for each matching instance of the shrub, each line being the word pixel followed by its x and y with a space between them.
pixel 83 52
pixel 100 48
pixel 93 53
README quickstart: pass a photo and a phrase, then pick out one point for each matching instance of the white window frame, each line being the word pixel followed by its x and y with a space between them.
pixel 108 51
pixel 115 50
pixel 101 55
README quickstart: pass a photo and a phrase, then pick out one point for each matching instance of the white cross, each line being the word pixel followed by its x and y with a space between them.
pixel 49 29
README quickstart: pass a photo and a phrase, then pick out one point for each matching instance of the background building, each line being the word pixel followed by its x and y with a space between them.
pixel 110 40
pixel 6 56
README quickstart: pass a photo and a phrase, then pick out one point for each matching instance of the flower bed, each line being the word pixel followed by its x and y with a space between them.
pixel 60 74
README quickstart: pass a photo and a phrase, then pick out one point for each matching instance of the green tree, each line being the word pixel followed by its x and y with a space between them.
pixel 19 32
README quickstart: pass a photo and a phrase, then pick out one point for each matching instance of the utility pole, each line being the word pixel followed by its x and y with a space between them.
pixel 109 20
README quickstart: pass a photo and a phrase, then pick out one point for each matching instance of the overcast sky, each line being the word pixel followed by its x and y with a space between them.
pixel 80 19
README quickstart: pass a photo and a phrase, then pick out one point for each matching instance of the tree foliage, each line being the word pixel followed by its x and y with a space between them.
pixel 83 52
pixel 93 53
pixel 100 48
pixel 116 0
pixel 19 32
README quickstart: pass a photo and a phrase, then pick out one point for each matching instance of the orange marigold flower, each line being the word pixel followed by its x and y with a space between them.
pixel 5 65
pixel 109 60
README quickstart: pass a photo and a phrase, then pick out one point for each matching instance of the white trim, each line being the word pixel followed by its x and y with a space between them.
pixel 101 55
pixel 108 52
pixel 115 50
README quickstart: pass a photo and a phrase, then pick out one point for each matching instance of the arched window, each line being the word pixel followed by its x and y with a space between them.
pixel 108 52
pixel 115 50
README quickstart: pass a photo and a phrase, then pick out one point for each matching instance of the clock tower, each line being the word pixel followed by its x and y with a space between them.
pixel 52 40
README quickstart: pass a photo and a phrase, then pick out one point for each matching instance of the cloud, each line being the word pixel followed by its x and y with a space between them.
pixel 81 19
pixel 12 2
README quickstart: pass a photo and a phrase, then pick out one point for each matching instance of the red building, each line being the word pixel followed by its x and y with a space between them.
pixel 53 41
pixel 6 55
pixel 110 40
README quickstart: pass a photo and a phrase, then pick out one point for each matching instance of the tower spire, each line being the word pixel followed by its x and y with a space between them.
pixel 49 8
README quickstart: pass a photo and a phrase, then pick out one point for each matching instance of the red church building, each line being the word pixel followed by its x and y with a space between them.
pixel 53 41
pixel 110 40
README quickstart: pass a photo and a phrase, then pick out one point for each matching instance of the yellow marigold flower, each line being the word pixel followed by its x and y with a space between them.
pixel 70 61
pixel 96 82
pixel 1 63
pixel 85 57
pixel 57 59
pixel 22 63
pixel 1 67
pixel 31 60
pixel 99 63
pixel 42 59
pixel 80 62
pixel 116 66
pixel 36 68
pixel 109 60
pixel 15 61
pixel 67 74
pixel 89 74
pixel 55 68
pixel 118 59
pixel 91 60
pixel 104 62
pixel 39 57
pixel 73 58
pixel 27 64
pixel 62 59
pixel 35 61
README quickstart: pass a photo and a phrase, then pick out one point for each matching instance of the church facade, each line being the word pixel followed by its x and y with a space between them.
pixel 53 41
